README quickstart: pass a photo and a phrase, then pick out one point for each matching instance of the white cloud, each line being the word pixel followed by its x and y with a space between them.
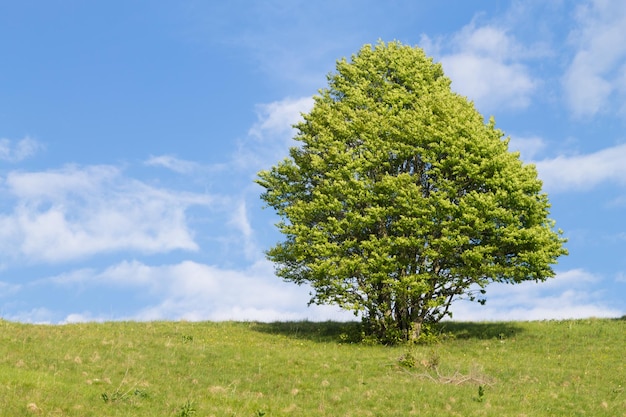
pixel 528 147
pixel 596 70
pixel 182 166
pixel 271 136
pixel 39 315
pixel 278 117
pixel 241 222
pixel 81 211
pixel 583 172
pixel 488 82
pixel 58 185
pixel 485 41
pixel 194 291
pixel 567 296
pixel 15 152
pixel 485 65
pixel 586 90
pixel 81 318
pixel 76 212
pixel 172 163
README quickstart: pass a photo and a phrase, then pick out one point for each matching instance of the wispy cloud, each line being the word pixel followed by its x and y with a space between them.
pixel 278 117
pixel 183 166
pixel 240 220
pixel 571 294
pixel 270 137
pixel 195 291
pixel 485 63
pixel 289 49
pixel 16 151
pixel 75 212
pixel 528 147
pixel 583 172
pixel 597 69
pixel 266 142
pixel 38 315
pixel 172 163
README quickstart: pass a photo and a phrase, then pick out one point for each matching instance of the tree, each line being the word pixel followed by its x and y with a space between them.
pixel 401 199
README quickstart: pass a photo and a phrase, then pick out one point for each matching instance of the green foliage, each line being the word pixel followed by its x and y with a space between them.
pixel 407 360
pixel 433 333
pixel 187 410
pixel 122 396
pixel 411 359
pixel 481 393
pixel 401 199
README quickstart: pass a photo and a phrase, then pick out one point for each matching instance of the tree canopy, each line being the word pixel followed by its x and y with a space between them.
pixel 401 199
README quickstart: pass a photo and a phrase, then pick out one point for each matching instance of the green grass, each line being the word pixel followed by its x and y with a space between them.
pixel 549 368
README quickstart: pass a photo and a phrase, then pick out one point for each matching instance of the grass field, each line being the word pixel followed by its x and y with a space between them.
pixel 548 368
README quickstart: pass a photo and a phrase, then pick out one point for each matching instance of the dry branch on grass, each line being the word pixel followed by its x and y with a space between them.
pixel 457 378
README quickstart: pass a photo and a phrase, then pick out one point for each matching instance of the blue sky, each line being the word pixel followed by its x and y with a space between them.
pixel 131 132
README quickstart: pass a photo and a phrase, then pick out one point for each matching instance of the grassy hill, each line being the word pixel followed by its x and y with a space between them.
pixel 549 368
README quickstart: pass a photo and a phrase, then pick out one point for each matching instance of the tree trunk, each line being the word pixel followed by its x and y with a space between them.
pixel 416 330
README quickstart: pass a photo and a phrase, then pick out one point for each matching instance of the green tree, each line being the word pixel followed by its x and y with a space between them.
pixel 401 199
